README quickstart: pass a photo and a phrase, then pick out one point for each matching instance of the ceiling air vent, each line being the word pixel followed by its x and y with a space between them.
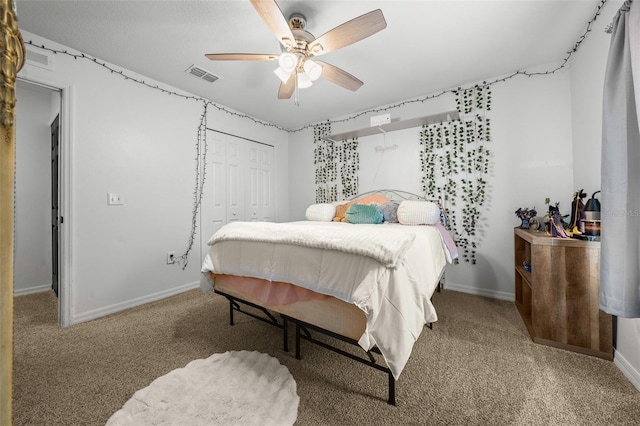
pixel 40 59
pixel 202 74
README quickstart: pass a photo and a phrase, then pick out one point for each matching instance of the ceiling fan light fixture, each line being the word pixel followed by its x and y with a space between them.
pixel 298 46
pixel 317 49
pixel 304 81
pixel 288 62
pixel 282 75
pixel 312 69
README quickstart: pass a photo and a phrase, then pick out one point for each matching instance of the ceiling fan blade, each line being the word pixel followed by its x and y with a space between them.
pixel 241 57
pixel 271 14
pixel 348 33
pixel 340 77
pixel 287 89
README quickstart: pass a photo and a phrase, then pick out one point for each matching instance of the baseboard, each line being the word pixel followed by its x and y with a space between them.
pixel 31 290
pixel 118 307
pixel 627 369
pixel 501 295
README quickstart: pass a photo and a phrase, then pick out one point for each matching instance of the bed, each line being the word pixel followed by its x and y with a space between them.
pixel 357 280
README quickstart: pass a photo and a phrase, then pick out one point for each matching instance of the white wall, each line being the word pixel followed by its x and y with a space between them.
pixel 587 81
pixel 531 160
pixel 33 189
pixel 546 143
pixel 139 142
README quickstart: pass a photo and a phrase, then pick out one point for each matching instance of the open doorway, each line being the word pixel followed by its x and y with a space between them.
pixel 37 191
pixel 55 203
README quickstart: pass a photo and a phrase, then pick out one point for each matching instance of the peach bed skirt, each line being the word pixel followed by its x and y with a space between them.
pixel 300 303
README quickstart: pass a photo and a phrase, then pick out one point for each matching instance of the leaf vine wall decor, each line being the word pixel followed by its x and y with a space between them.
pixel 455 163
pixel 331 157
pixel 349 165
pixel 324 161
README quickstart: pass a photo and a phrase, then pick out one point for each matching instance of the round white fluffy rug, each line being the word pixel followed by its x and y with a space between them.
pixel 233 388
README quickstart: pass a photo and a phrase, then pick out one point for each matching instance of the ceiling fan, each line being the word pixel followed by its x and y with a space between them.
pixel 297 69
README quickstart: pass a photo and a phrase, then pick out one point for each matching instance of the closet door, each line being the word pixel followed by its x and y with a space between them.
pixel 253 182
pixel 238 183
pixel 235 179
pixel 217 178
pixel 259 182
pixel 267 207
pixel 213 209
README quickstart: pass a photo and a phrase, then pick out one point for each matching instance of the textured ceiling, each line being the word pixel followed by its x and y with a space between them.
pixel 427 46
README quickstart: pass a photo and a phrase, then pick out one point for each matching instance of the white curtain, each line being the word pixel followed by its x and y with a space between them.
pixel 620 226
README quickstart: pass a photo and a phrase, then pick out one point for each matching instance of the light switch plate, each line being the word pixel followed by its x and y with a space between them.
pixel 114 199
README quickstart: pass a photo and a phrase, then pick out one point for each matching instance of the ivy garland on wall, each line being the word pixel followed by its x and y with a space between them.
pixel 349 165
pixel 324 160
pixel 455 162
pixel 331 157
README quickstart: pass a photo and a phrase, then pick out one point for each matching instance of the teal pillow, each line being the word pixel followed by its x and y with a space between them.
pixel 361 213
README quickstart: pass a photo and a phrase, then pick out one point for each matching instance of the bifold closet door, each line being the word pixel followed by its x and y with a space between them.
pixel 239 183
pixel 214 201
pixel 259 186
pixel 236 179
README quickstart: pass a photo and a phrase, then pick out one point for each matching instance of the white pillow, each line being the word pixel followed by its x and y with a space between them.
pixel 323 212
pixel 412 212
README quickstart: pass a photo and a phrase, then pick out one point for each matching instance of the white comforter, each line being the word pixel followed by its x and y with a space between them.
pixel 391 281
pixel 385 245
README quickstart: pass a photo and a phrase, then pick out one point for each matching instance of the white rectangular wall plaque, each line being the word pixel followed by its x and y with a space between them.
pixel 379 120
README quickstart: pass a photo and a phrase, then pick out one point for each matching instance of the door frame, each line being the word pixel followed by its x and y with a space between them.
pixel 65 277
pixel 55 201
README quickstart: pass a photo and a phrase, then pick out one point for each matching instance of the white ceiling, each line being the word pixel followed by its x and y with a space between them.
pixel 427 46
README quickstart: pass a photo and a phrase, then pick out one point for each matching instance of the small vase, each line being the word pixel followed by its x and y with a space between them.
pixel 525 223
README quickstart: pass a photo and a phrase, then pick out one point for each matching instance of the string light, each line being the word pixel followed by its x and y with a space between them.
pixel 155 86
pixel 497 80
pixel 351 117
pixel 201 173
pixel 201 143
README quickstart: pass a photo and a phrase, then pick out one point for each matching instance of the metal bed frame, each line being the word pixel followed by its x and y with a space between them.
pixel 303 333
pixel 304 329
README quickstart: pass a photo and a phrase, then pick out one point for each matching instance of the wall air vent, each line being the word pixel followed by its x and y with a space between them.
pixel 202 74
pixel 38 58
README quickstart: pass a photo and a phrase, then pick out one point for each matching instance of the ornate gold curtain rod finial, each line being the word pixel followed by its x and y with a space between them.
pixel 12 55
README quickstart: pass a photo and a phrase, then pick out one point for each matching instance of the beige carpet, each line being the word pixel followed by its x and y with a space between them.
pixel 476 367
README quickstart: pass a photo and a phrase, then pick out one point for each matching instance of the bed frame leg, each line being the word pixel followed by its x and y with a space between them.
pixel 298 341
pixel 285 332
pixel 392 390
pixel 230 312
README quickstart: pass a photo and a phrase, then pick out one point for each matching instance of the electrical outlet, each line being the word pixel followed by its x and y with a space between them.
pixel 171 257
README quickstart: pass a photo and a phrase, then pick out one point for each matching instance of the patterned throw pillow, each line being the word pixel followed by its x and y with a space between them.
pixel 361 213
pixel 390 211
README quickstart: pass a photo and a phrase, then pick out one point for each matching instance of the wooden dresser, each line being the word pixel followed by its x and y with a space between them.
pixel 558 296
